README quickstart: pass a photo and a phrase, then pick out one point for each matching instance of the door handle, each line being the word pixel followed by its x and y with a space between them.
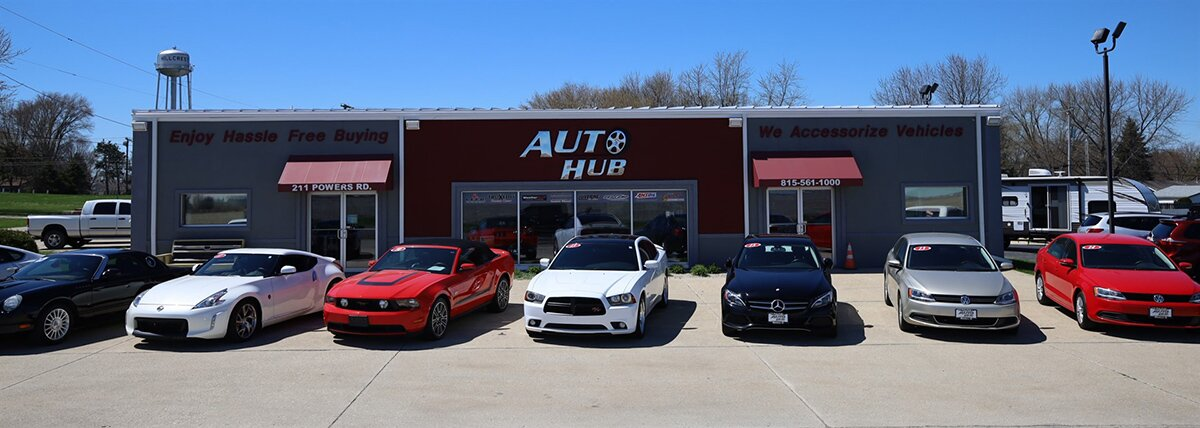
pixel 92 218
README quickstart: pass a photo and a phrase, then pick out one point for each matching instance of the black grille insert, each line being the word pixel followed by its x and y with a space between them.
pixel 579 306
pixel 162 326
pixel 589 327
pixel 957 298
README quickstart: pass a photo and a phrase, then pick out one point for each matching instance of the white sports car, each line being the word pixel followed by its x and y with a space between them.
pixel 234 294
pixel 597 284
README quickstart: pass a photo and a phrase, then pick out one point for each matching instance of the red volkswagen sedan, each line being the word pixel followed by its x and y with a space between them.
pixel 1116 279
pixel 417 287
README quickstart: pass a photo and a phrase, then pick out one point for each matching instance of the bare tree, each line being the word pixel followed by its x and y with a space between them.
pixel 729 79
pixel 902 87
pixel 781 87
pixel 692 88
pixel 45 133
pixel 658 90
pixel 7 54
pixel 960 81
pixel 569 95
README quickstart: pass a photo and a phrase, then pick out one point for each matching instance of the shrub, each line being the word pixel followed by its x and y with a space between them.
pixel 534 270
pixel 676 270
pixel 17 239
pixel 700 270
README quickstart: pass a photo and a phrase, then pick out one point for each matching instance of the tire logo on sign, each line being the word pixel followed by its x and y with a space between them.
pixel 615 142
pixel 1158 298
pixel 777 305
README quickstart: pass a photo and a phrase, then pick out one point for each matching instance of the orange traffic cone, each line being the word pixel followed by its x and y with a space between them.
pixel 850 264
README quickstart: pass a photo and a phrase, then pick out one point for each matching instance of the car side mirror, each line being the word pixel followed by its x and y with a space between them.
pixel 1067 262
pixel 287 270
pixel 895 264
pixel 1185 266
pixel 1006 266
pixel 827 263
pixel 466 267
pixel 196 267
pixel 544 262
pixel 651 264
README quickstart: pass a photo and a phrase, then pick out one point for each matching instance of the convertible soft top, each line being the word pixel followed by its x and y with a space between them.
pixel 481 254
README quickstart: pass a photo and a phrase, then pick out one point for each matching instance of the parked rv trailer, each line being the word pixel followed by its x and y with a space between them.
pixel 1043 207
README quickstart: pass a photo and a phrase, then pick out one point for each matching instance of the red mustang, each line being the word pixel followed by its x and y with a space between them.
pixel 1116 279
pixel 418 287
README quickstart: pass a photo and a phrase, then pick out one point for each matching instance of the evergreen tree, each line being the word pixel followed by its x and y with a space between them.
pixel 1131 157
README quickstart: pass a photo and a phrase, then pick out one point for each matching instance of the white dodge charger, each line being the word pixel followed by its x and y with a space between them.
pixel 597 284
pixel 234 295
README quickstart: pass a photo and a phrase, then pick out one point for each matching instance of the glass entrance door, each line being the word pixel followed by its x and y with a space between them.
pixel 343 226
pixel 806 211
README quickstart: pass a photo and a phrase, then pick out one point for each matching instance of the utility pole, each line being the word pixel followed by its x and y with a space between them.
pixel 126 169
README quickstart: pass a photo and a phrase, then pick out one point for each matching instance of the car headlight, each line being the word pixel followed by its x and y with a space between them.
pixel 622 299
pixel 11 303
pixel 1110 294
pixel 213 300
pixel 824 300
pixel 1006 298
pixel 534 297
pixel 407 303
pixel 329 299
pixel 1195 298
pixel 919 295
pixel 138 299
pixel 734 299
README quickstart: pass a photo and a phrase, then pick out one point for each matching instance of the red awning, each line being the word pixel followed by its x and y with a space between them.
pixel 807 172
pixel 336 176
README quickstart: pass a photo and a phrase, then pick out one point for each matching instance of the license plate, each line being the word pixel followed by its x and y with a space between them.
pixel 777 318
pixel 965 314
pixel 1160 313
pixel 359 322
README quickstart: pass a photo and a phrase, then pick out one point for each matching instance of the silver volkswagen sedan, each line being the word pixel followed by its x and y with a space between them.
pixel 949 280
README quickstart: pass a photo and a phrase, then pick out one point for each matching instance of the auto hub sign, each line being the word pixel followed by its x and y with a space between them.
pixel 602 146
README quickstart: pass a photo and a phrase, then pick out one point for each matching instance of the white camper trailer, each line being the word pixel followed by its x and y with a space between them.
pixel 1044 205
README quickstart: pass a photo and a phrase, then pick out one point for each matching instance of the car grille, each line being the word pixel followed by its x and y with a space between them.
pixel 957 298
pixel 366 305
pixel 1167 298
pixel 978 322
pixel 162 326
pixel 584 327
pixel 788 305
pixel 579 306
pixel 1146 319
pixel 368 329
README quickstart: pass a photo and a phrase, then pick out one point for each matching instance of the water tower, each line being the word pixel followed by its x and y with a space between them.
pixel 175 64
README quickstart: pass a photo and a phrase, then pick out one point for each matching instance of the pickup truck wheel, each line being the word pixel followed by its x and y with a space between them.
pixel 54 238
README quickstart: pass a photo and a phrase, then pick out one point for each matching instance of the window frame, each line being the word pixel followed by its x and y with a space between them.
pixel 179 197
pixel 966 199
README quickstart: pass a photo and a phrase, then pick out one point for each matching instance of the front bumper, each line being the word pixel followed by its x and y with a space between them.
pixel 615 320
pixel 941 315
pixel 742 318
pixel 1137 313
pixel 17 322
pixel 372 323
pixel 177 321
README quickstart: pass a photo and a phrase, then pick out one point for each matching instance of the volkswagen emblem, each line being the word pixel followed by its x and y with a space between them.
pixel 1158 298
pixel 160 308
pixel 777 305
pixel 965 300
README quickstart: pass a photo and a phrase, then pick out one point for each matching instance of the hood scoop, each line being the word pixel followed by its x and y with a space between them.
pixel 395 280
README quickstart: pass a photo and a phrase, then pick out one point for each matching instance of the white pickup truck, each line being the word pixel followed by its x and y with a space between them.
pixel 101 218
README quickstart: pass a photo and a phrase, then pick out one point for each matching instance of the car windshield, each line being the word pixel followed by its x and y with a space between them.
pixel 597 255
pixel 761 255
pixel 436 260
pixel 1091 220
pixel 1124 257
pixel 61 267
pixel 1162 231
pixel 239 265
pixel 963 258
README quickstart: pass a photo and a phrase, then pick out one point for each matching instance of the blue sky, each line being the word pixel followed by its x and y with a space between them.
pixel 307 54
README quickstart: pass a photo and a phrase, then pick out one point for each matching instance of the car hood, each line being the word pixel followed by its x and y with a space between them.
pixel 587 282
pixel 190 290
pixel 960 283
pixel 386 284
pixel 778 284
pixel 11 287
pixel 1142 281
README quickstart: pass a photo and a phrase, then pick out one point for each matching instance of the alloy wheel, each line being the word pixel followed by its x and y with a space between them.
pixel 439 318
pixel 642 316
pixel 58 323
pixel 1039 288
pixel 1080 311
pixel 246 321
pixel 502 292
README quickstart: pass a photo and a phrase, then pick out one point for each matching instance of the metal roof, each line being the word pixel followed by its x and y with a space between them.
pixel 1177 191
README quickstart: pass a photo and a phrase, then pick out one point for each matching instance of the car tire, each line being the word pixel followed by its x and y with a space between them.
pixel 665 301
pixel 438 320
pixel 244 322
pixel 500 299
pixel 54 324
pixel 1039 290
pixel 54 238
pixel 905 326
pixel 887 298
pixel 639 330
pixel 1081 317
pixel 728 332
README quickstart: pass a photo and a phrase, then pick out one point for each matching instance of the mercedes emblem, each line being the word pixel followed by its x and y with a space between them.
pixel 777 305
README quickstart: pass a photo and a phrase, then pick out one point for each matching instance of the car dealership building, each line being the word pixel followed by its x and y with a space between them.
pixel 350 184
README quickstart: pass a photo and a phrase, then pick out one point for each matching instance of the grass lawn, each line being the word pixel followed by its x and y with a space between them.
pixel 21 204
pixel 6 223
pixel 1023 266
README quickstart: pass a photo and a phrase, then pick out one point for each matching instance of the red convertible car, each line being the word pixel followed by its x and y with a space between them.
pixel 1116 279
pixel 418 286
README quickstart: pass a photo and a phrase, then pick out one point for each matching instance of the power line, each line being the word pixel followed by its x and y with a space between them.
pixel 43 93
pixel 85 77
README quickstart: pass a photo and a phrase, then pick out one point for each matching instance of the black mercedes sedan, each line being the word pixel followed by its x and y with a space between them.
pixel 779 282
pixel 47 298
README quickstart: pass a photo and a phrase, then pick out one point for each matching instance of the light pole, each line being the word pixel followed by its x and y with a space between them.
pixel 125 170
pixel 1099 37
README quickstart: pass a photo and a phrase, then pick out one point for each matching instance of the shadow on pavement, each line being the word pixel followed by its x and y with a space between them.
pixel 663 325
pixel 266 336
pixel 1028 333
pixel 90 331
pixel 461 330
pixel 1147 334
pixel 851 331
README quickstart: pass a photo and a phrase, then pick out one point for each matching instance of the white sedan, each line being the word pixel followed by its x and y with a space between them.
pixel 235 294
pixel 597 284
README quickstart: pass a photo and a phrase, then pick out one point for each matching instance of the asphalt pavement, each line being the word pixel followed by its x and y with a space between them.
pixel 486 371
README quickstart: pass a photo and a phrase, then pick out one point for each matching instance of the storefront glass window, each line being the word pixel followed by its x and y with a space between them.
pixel 213 209
pixel 599 212
pixel 491 218
pixel 543 214
pixel 935 202
pixel 783 211
pixel 662 217
pixel 818 217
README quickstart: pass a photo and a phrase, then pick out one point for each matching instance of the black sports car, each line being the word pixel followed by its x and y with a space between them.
pixel 48 297
pixel 779 282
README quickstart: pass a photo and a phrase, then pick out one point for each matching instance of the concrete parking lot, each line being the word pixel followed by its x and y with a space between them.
pixel 488 372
